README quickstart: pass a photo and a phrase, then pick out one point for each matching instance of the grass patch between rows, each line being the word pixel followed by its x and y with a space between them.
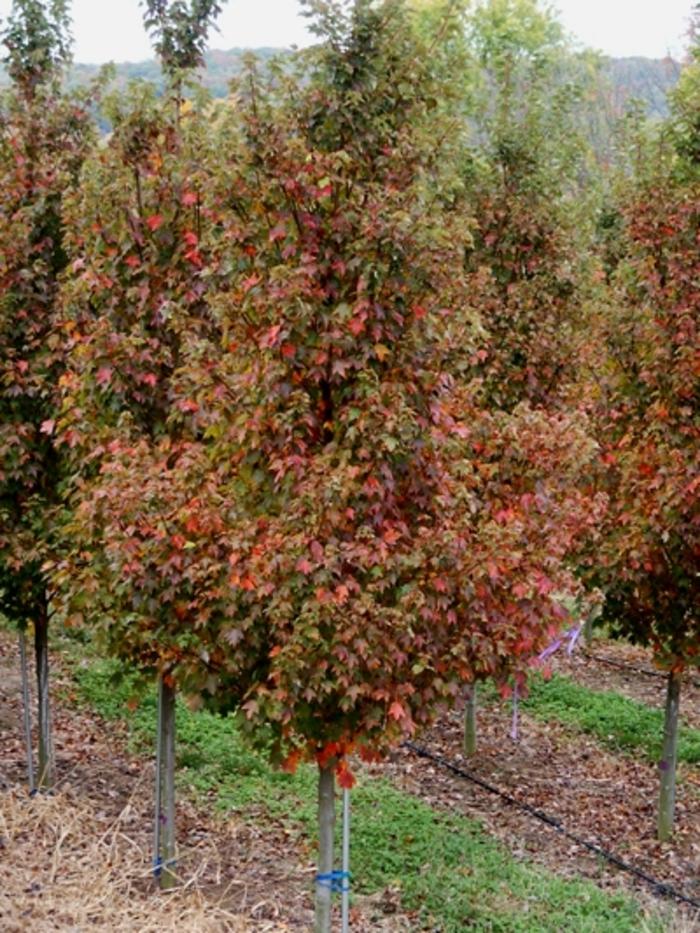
pixel 616 721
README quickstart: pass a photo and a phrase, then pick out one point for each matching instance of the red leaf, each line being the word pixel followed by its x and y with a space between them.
pixel 278 233
pixel 104 375
pixel 250 282
pixel 346 778
pixel 270 336
pixel 47 426
pixel 396 711
pixel 188 405
pixel 356 325
pixel 154 222
pixel 370 755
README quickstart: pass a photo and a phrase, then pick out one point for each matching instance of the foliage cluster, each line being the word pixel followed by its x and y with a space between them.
pixel 295 495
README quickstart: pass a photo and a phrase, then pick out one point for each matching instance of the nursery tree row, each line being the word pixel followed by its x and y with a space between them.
pixel 322 403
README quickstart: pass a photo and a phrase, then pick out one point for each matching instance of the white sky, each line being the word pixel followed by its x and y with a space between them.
pixel 107 30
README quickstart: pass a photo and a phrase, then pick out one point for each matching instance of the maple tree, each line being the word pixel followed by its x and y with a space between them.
pixel 44 135
pixel 291 496
pixel 522 90
pixel 134 304
pixel 179 30
pixel 389 540
pixel 649 404
pixel 523 171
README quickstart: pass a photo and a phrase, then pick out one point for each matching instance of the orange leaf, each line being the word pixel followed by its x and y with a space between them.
pixel 346 779
pixel 291 761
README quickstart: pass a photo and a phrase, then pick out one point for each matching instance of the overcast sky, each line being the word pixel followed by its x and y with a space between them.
pixel 111 29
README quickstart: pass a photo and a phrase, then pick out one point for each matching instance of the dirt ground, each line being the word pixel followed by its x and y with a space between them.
pixel 80 858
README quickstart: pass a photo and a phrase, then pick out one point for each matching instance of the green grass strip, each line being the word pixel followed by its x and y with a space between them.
pixel 616 721
pixel 450 875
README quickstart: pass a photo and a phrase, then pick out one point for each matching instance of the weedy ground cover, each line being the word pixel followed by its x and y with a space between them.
pixel 616 721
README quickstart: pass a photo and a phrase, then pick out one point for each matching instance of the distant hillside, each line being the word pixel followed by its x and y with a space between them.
pixel 646 79
pixel 221 66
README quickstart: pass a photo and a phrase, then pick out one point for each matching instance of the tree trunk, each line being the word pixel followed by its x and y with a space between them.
pixel 345 905
pixel 326 823
pixel 26 710
pixel 669 754
pixel 470 722
pixel 165 787
pixel 589 623
pixel 41 652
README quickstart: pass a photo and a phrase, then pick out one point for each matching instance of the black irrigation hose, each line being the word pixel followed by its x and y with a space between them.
pixel 660 888
pixel 633 668
pixel 622 666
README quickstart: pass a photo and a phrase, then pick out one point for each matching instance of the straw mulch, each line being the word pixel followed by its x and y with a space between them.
pixel 65 865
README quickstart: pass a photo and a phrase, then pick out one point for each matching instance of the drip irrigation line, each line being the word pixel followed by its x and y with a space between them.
pixel 660 888
pixel 622 666
pixel 634 669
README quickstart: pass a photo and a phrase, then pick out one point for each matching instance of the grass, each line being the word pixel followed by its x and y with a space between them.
pixel 616 721
pixel 450 875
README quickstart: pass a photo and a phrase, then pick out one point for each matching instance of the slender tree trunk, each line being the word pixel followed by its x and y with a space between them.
pixel 470 722
pixel 345 904
pixel 589 623
pixel 41 652
pixel 326 823
pixel 669 755
pixel 165 792
pixel 26 710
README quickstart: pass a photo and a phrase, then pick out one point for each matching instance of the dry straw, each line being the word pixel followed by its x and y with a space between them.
pixel 65 865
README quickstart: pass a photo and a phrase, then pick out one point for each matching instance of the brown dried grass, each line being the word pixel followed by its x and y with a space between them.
pixel 64 865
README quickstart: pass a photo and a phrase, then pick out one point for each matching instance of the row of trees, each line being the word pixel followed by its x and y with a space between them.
pixel 317 403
